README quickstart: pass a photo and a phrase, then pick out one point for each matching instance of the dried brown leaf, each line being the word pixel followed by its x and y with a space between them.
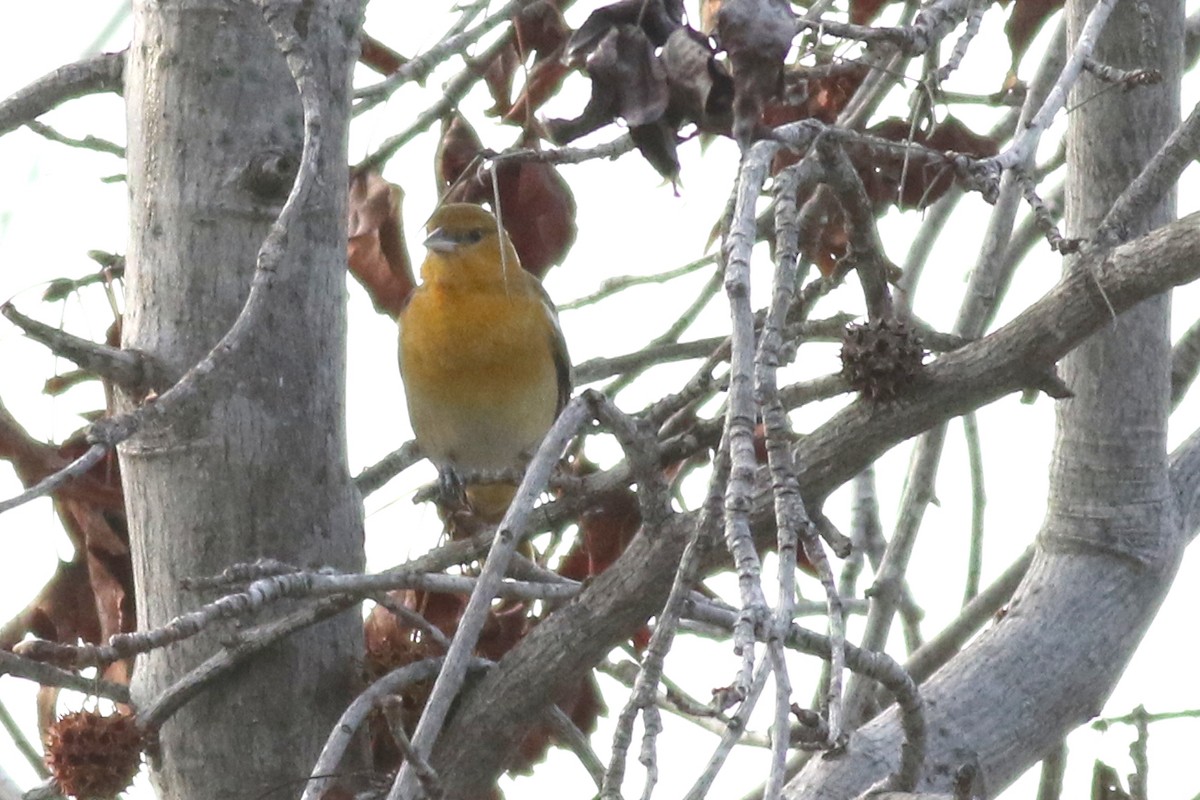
pixel 757 35
pixel 377 253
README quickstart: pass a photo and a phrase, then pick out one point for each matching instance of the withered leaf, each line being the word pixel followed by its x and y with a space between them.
pixel 459 147
pixel 757 35
pixel 498 77
pixel 541 29
pixel 377 253
pixel 656 142
pixel 379 57
pixel 1024 21
pixel 863 12
pixel 924 181
pixel 656 18
pixel 628 81
pixel 701 89
pixel 542 82
pixel 537 208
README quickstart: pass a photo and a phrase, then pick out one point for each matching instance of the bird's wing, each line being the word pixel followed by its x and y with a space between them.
pixel 558 345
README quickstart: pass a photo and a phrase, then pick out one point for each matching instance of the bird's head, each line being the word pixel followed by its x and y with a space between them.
pixel 465 245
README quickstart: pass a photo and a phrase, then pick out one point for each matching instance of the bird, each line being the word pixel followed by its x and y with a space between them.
pixel 482 356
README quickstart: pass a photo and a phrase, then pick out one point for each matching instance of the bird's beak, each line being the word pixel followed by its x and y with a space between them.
pixel 439 241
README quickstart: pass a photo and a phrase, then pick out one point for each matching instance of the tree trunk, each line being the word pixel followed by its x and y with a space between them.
pixel 258 468
pixel 1112 538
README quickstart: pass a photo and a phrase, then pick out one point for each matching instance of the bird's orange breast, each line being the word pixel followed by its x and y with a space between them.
pixel 479 374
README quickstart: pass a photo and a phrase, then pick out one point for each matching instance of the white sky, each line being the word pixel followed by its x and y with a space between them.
pixel 53 209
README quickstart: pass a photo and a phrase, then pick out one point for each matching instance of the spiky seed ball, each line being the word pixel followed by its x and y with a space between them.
pixel 93 756
pixel 881 358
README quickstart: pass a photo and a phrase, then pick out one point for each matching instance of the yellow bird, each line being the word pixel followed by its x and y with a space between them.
pixel 483 359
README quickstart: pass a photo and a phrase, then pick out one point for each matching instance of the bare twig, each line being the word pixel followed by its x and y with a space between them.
pixel 22 743
pixel 978 504
pixel 1126 78
pixel 375 476
pixel 245 646
pixel 270 590
pixel 1054 767
pixel 677 702
pixel 569 735
pixel 100 73
pixel 974 18
pixel 88 142
pixel 1139 755
pixel 732 734
pixel 933 23
pixel 508 535
pixel 418 68
pixel 345 731
pixel 877 666
pixel 393 711
pixel 1155 179
pixel 454 91
pixel 1185 363
pixel 50 483
pixel 612 286
pixel 977 613
pixel 663 636
pixel 47 675
pixel 127 369
pixel 1020 152
pixel 741 412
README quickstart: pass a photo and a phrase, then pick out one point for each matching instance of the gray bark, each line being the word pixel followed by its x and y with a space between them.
pixel 1112 538
pixel 258 467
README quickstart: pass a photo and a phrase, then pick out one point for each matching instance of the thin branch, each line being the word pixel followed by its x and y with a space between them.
pixel 1126 78
pixel 741 412
pixel 677 702
pixel 1185 363
pixel 978 504
pixel 1153 182
pixel 509 534
pixel 345 730
pixel 88 142
pixel 394 712
pixel 661 639
pixel 47 675
pixel 824 330
pixel 375 476
pixel 453 92
pixel 982 609
pixel 568 734
pixel 866 248
pixel 877 666
pixel 267 591
pixel 612 286
pixel 674 331
pixel 1021 150
pixel 128 369
pixel 933 23
pixel 244 646
pixel 418 68
pixel 1054 768
pixel 99 73
pixel 50 483
pixel 732 735
pixel 23 745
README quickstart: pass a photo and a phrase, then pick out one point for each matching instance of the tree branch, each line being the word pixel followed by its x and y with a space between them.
pixel 100 73
pixel 127 369
pixel 615 603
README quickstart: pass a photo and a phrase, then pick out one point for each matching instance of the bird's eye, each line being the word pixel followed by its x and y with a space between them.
pixel 473 236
